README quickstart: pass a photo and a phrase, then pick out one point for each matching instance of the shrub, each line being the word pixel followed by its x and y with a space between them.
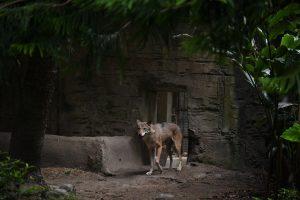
pixel 283 194
pixel 288 194
pixel 13 174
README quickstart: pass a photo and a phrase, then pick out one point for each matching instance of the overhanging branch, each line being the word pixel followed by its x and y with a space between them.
pixel 4 5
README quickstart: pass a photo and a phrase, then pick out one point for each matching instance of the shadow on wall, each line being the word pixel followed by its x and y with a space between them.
pixel 4 141
pixel 251 130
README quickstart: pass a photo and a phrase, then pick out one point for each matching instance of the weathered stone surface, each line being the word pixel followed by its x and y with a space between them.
pixel 4 141
pixel 109 155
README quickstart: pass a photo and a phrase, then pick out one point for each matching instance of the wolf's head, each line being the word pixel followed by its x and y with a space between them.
pixel 144 128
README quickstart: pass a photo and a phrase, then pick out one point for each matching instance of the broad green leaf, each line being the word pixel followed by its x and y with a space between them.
pixel 282 84
pixel 249 68
pixel 260 64
pixel 269 85
pixel 290 41
pixel 250 60
pixel 292 134
pixel 266 51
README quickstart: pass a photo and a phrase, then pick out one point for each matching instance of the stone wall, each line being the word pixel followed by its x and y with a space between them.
pixel 218 99
pixel 218 103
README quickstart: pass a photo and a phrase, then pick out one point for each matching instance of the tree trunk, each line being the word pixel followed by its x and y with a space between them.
pixel 33 98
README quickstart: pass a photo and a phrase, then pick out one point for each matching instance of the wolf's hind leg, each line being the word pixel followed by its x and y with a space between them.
pixel 169 151
pixel 177 139
pixel 177 143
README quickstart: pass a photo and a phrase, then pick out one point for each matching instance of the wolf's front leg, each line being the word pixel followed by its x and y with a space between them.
pixel 151 155
pixel 157 158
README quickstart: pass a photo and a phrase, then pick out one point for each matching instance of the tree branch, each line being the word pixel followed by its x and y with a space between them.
pixel 61 4
pixel 4 5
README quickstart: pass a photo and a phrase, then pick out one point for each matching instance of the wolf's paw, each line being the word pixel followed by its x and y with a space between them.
pixel 179 168
pixel 149 173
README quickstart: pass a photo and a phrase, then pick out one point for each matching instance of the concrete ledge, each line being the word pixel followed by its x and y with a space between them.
pixel 175 162
pixel 109 155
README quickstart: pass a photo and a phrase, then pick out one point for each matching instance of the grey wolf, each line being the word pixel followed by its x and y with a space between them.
pixel 156 136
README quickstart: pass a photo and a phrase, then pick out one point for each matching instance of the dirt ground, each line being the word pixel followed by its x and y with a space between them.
pixel 194 182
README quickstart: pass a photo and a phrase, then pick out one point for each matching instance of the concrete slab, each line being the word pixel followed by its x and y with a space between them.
pixel 109 155
pixel 175 162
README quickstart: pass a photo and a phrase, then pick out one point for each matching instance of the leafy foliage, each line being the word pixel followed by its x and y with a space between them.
pixel 282 64
pixel 66 33
pixel 283 194
pixel 257 41
pixel 292 134
pixel 288 194
pixel 14 173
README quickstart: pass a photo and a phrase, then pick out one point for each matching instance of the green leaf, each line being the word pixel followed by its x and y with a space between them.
pixel 229 2
pixel 194 45
pixel 260 65
pixel 180 2
pixel 292 134
pixel 289 10
pixel 249 68
pixel 290 41
pixel 266 51
pixel 281 84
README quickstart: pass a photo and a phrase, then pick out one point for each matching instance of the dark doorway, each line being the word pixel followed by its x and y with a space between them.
pixel 170 106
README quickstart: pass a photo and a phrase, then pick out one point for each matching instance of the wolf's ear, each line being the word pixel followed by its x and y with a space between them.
pixel 149 123
pixel 138 121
